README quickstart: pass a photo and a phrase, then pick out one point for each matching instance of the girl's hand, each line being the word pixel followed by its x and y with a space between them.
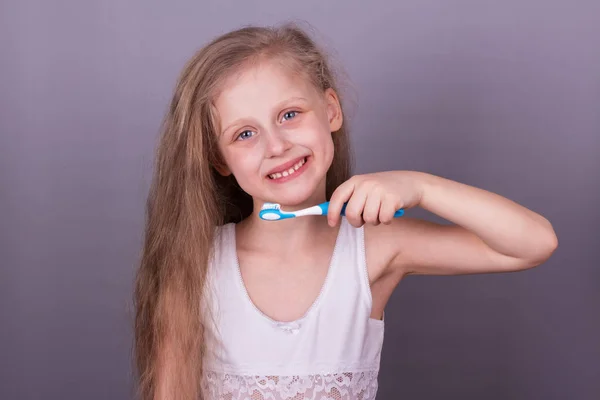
pixel 487 232
pixel 374 198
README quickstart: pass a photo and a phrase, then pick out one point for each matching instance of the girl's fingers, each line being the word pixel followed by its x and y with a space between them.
pixel 355 207
pixel 387 210
pixel 340 195
pixel 371 211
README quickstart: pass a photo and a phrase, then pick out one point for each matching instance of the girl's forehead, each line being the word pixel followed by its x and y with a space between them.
pixel 262 83
pixel 265 75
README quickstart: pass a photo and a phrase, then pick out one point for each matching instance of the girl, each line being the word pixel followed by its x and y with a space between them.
pixel 230 306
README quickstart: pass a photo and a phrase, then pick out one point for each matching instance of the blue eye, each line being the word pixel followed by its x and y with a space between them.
pixel 290 115
pixel 245 135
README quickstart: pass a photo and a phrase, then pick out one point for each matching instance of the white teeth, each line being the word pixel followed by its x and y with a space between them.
pixel 289 171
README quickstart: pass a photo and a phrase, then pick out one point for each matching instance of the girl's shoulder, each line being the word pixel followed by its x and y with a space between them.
pixel 384 243
pixel 221 231
pixel 223 238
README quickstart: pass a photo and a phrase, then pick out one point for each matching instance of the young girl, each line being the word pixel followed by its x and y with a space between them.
pixel 230 306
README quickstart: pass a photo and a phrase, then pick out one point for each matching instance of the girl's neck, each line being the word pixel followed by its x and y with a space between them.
pixel 287 234
pixel 284 235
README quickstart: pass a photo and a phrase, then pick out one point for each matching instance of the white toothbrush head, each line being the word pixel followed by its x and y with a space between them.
pixel 271 206
pixel 272 212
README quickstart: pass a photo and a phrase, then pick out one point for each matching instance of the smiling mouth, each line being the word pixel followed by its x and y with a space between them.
pixel 290 171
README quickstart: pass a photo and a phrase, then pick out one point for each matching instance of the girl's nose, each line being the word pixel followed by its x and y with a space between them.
pixel 277 143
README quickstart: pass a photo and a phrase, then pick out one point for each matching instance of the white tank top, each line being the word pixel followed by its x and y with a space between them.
pixel 332 352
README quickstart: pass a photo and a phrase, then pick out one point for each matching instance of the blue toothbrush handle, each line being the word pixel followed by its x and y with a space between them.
pixel 397 214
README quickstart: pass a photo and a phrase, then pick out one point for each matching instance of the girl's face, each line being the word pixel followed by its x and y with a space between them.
pixel 275 134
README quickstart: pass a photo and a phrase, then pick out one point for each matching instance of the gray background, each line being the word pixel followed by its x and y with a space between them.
pixel 502 95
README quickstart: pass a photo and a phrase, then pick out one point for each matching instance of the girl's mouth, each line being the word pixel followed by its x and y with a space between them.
pixel 290 172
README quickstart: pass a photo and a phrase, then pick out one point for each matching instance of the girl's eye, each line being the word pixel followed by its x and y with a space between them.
pixel 290 115
pixel 246 135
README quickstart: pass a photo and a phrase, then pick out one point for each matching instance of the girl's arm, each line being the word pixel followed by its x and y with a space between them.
pixel 489 233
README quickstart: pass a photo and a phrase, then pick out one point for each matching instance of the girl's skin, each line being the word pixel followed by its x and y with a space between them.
pixel 271 117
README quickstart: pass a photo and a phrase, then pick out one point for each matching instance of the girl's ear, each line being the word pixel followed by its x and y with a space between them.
pixel 334 110
pixel 221 167
pixel 222 170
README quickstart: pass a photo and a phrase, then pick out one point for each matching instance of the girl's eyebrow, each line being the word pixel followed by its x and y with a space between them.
pixel 280 105
pixel 236 122
pixel 290 100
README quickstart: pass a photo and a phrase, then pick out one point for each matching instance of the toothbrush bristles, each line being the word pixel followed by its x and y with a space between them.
pixel 270 206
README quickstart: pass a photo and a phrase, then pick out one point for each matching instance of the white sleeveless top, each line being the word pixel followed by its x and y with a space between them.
pixel 332 352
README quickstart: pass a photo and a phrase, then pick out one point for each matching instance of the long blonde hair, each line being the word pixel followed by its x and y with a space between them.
pixel 188 199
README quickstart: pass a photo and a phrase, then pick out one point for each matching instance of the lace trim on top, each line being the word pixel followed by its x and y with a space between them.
pixel 338 386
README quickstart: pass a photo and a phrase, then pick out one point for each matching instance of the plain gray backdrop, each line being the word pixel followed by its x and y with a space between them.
pixel 501 95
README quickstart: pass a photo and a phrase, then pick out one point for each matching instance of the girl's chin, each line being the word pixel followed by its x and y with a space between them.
pixel 292 196
pixel 297 201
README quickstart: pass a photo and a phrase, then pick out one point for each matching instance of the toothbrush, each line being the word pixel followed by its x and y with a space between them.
pixel 273 211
